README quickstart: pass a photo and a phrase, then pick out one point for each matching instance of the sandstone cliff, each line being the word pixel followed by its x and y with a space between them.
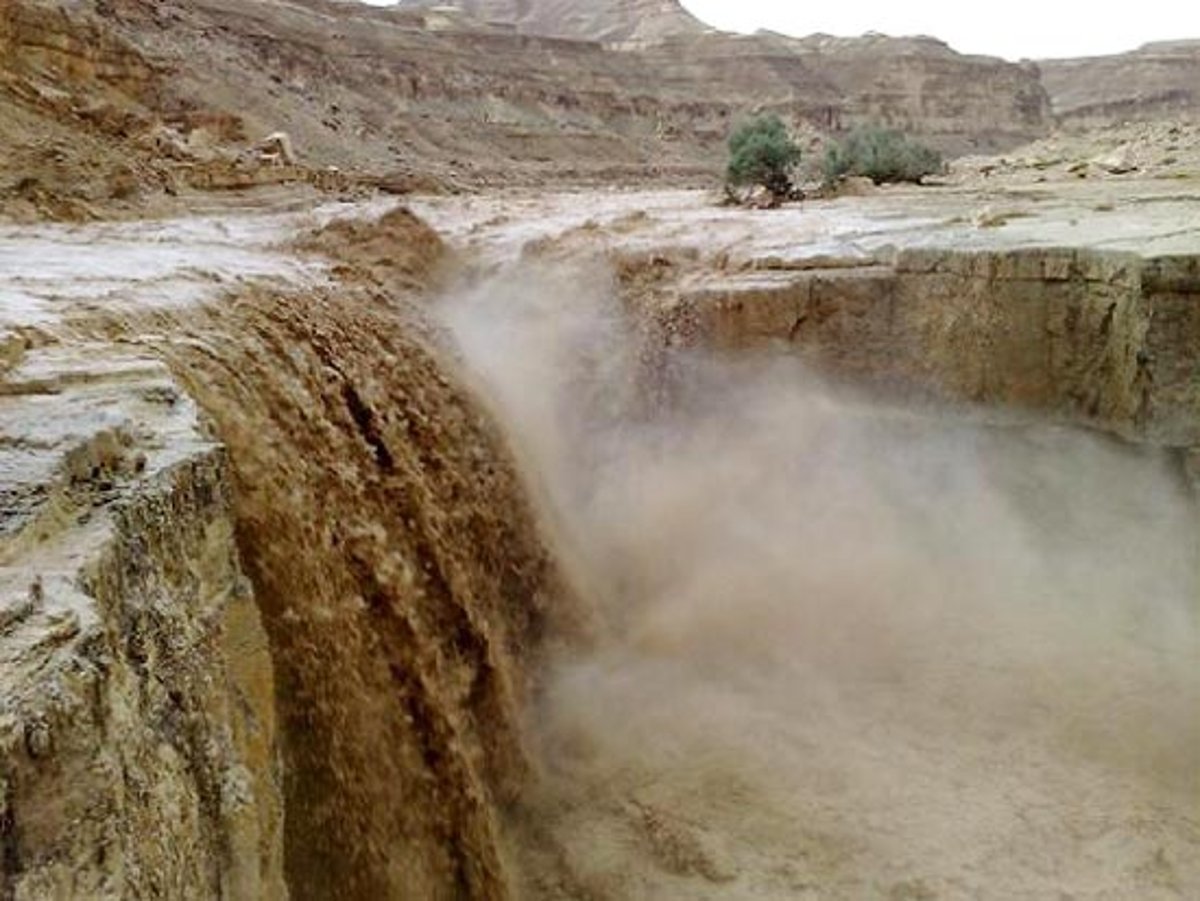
pixel 1157 81
pixel 71 95
pixel 91 126
pixel 1101 338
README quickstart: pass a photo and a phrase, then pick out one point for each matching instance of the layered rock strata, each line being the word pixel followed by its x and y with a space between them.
pixel 1099 337
pixel 139 751
pixel 1156 81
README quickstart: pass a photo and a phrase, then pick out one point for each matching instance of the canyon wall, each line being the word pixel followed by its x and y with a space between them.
pixel 921 86
pixel 72 94
pixel 1097 337
pixel 599 20
pixel 45 41
pixel 1156 81
pixel 402 89
pixel 139 752
pixel 106 99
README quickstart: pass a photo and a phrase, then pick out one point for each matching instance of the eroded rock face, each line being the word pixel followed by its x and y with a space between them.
pixel 920 85
pixel 1157 81
pixel 71 93
pixel 138 744
pixel 45 39
pixel 393 89
pixel 1099 337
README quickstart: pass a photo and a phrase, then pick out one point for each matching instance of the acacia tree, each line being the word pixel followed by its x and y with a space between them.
pixel 762 153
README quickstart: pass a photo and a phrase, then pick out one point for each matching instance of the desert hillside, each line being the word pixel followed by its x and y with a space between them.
pixel 420 95
pixel 1156 81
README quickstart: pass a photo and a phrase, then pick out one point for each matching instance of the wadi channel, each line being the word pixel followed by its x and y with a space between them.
pixel 541 535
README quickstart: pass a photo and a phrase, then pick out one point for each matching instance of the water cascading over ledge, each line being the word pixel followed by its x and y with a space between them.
pixel 401 577
pixel 290 597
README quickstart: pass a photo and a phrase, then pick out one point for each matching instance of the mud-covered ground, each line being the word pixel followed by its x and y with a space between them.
pixel 1147 216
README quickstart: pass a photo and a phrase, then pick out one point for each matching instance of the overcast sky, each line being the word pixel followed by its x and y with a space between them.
pixel 1014 29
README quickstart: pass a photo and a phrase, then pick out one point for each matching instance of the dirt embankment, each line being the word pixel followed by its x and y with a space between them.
pixel 92 126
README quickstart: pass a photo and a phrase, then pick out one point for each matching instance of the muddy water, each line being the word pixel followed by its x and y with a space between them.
pixel 837 650
pixel 847 651
pixel 401 582
pixel 393 555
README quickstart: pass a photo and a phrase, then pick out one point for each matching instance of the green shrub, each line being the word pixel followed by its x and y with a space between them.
pixel 881 155
pixel 762 153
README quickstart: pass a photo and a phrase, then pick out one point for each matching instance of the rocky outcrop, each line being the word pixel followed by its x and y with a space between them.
pixel 139 752
pixel 1089 336
pixel 46 40
pixel 91 126
pixel 1156 81
pixel 71 94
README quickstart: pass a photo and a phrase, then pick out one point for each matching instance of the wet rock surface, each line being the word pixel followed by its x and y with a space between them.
pixel 140 752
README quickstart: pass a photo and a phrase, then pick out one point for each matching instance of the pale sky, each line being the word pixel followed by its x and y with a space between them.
pixel 1013 29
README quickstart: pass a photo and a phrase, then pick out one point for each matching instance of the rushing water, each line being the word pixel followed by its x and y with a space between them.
pixel 826 648
pixel 845 651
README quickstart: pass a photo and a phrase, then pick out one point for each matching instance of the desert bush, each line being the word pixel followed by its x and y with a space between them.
pixel 881 155
pixel 762 153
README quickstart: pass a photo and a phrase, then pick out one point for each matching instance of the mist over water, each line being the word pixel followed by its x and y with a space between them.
pixel 842 649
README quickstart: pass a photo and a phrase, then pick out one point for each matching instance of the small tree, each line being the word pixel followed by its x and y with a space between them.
pixel 762 153
pixel 881 155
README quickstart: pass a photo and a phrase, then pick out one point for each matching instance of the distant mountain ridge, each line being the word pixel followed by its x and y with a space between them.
pixel 1159 80
pixel 591 20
